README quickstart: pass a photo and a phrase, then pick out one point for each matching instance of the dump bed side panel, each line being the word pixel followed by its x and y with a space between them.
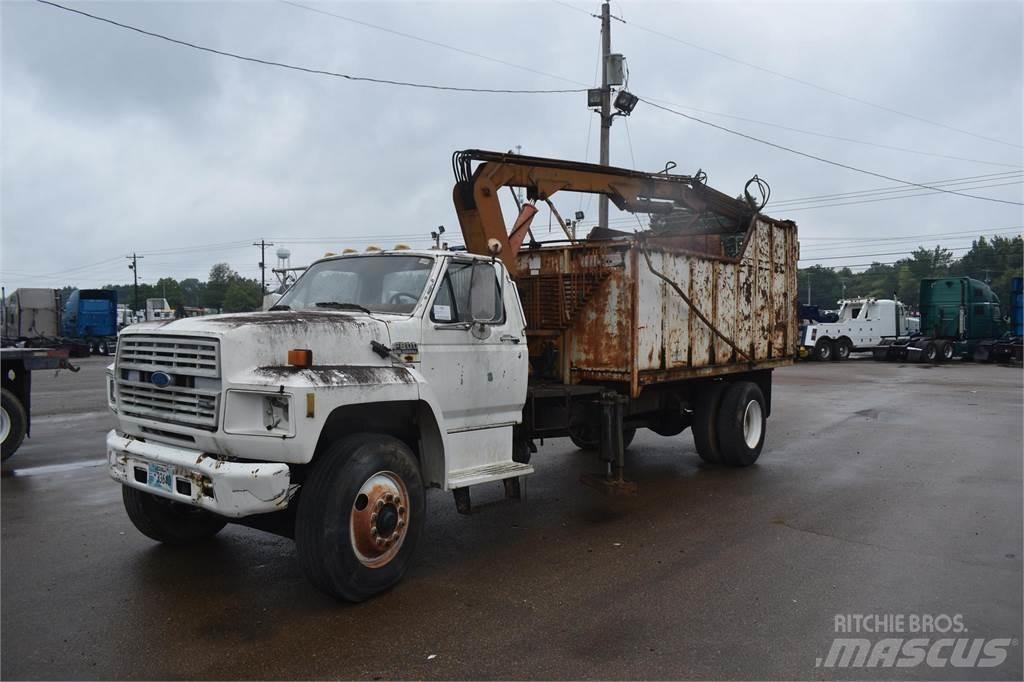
pixel 618 321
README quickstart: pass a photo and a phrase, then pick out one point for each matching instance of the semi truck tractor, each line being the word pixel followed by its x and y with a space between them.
pixel 382 374
pixel 961 317
pixel 91 321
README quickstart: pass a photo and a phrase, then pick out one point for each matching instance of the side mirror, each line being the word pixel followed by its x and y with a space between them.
pixel 270 300
pixel 482 296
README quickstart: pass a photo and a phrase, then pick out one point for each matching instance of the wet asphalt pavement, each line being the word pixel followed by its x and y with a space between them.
pixel 883 489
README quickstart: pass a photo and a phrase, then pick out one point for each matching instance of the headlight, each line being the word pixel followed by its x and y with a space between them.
pixel 111 391
pixel 258 414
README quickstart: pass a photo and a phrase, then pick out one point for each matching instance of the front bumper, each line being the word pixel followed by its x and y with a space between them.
pixel 233 489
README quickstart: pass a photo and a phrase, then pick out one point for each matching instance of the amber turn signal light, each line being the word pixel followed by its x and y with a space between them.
pixel 300 357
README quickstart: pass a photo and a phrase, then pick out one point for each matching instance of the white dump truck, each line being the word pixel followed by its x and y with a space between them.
pixel 861 325
pixel 378 375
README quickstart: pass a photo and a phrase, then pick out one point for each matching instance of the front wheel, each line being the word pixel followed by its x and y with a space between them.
pixel 360 516
pixel 171 523
pixel 742 424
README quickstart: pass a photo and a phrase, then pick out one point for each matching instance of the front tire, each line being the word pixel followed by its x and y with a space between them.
pixel 360 516
pixel 742 424
pixel 171 523
pixel 13 424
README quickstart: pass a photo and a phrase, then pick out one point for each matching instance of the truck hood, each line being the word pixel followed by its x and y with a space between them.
pixel 253 340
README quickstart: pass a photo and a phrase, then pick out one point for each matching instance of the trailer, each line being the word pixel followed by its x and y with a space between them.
pixel 31 316
pixel 16 411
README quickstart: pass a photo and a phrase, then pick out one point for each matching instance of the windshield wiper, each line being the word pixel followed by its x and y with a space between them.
pixel 341 306
pixel 280 306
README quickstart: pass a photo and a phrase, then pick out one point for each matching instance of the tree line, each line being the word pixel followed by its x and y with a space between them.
pixel 224 290
pixel 995 261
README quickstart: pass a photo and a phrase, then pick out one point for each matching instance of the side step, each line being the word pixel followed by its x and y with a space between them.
pixel 508 473
pixel 486 473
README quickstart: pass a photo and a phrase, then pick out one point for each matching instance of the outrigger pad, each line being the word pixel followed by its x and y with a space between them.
pixel 613 487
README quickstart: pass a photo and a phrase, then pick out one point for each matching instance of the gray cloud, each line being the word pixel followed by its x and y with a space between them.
pixel 114 142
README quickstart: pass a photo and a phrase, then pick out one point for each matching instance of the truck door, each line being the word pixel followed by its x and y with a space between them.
pixel 478 370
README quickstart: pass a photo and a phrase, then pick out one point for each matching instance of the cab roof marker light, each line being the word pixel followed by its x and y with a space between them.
pixel 300 357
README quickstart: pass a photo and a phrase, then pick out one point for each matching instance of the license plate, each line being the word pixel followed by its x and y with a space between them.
pixel 159 476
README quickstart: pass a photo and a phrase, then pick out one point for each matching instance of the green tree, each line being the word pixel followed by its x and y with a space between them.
pixel 192 291
pixel 169 289
pixel 242 295
pixel 221 276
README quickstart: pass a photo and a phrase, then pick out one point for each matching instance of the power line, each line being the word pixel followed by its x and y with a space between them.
pixel 891 241
pixel 888 190
pixel 902 196
pixel 818 87
pixel 574 7
pixel 820 158
pixel 906 150
pixel 428 41
pixel 979 232
pixel 292 67
pixel 889 253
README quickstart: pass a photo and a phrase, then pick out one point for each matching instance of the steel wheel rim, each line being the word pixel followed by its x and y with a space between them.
pixel 5 424
pixel 379 519
pixel 752 424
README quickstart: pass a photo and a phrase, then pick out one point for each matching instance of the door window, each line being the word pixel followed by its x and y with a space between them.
pixel 452 303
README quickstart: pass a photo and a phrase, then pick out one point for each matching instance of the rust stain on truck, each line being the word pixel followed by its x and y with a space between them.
pixel 603 313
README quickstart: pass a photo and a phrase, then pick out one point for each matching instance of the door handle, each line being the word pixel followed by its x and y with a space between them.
pixel 508 338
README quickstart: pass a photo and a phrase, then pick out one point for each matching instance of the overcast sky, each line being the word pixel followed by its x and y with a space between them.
pixel 114 142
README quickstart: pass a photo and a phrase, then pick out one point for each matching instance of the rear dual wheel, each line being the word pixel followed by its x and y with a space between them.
pixel 841 349
pixel 729 423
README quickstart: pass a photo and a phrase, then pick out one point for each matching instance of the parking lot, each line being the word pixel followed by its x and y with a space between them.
pixel 883 489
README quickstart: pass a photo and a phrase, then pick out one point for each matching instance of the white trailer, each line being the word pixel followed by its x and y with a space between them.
pixel 862 324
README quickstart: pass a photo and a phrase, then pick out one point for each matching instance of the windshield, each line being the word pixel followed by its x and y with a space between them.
pixel 380 284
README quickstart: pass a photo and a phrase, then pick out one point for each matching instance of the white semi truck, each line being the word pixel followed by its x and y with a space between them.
pixel 861 325
pixel 379 375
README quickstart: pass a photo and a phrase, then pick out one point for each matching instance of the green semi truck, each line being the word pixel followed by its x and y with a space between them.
pixel 961 317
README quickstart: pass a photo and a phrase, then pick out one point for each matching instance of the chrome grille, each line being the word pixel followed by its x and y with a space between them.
pixel 171 354
pixel 173 404
pixel 191 399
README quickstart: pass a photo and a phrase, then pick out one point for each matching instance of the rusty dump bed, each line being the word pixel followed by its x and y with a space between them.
pixel 597 312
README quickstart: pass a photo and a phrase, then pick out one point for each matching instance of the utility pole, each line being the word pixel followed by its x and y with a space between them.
pixel 263 264
pixel 134 267
pixel 808 288
pixel 606 104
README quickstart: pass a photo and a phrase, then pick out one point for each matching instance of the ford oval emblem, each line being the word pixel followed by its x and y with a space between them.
pixel 160 379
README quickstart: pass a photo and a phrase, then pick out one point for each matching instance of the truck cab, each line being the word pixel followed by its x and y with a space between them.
pixel 232 416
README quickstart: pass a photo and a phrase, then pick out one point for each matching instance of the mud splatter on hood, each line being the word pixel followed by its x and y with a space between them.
pixel 250 340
